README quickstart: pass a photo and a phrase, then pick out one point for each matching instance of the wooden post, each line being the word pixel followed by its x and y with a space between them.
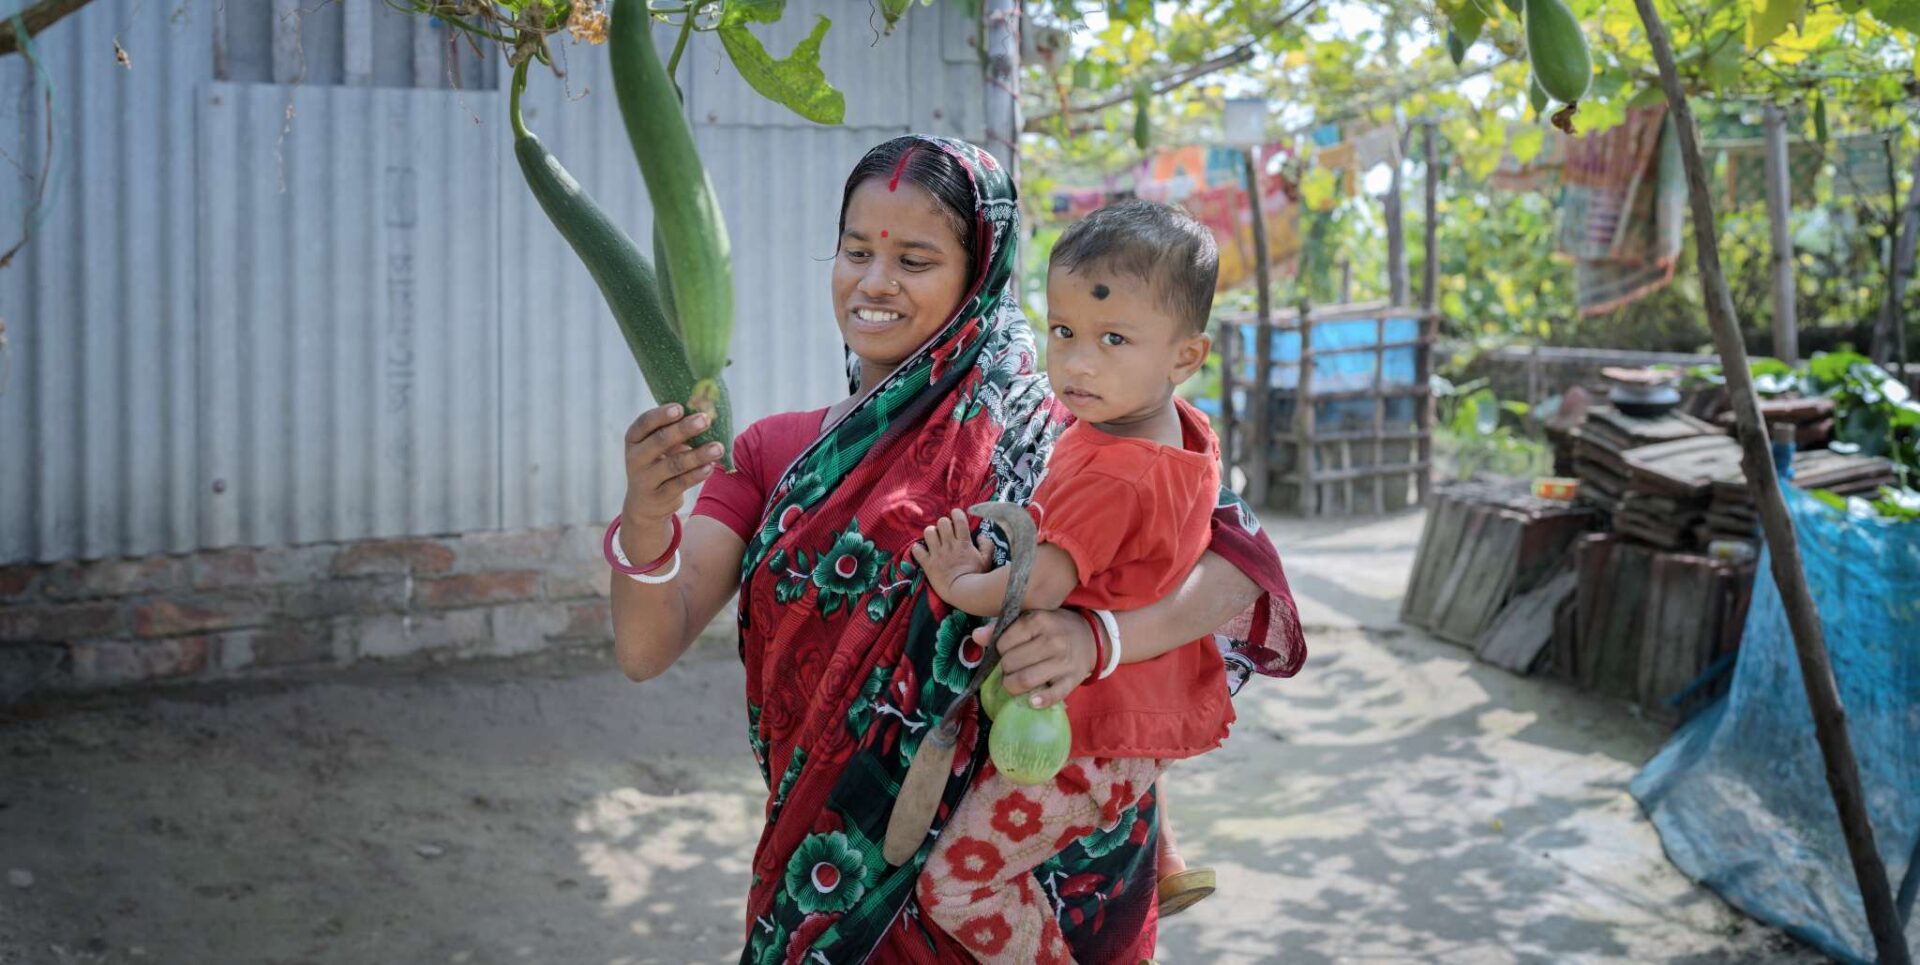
pixel 1003 83
pixel 1429 320
pixel 1346 281
pixel 1396 237
pixel 1229 350
pixel 1303 416
pixel 1430 272
pixel 1380 410
pixel 1890 334
pixel 1779 202
pixel 1816 671
pixel 1258 471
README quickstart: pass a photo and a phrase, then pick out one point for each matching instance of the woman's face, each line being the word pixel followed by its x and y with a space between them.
pixel 899 274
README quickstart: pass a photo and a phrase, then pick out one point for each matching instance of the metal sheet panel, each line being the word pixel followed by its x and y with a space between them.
pixel 96 428
pixel 263 314
pixel 349 361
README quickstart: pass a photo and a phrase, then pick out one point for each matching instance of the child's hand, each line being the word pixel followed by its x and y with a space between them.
pixel 946 553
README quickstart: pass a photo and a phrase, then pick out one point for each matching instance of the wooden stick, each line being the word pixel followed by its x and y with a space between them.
pixel 1786 331
pixel 1816 671
pixel 1258 470
pixel 36 18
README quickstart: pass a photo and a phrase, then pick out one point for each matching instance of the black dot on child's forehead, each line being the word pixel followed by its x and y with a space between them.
pixel 1101 291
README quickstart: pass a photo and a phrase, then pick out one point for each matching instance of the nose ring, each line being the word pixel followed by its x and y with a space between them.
pixel 895 285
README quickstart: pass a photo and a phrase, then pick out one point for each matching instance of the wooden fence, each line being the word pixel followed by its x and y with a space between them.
pixel 1329 413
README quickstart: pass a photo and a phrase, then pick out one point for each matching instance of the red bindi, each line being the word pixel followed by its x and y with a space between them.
pixel 883 232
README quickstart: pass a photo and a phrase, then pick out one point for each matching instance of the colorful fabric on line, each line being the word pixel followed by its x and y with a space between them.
pixel 850 660
pixel 1623 210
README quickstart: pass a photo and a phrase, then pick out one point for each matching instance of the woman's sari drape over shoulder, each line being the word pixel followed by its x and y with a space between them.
pixel 850 659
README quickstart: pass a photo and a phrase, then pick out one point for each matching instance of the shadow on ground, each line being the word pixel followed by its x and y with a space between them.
pixel 1396 801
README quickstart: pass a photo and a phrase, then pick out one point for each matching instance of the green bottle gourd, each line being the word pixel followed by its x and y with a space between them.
pixel 1027 745
pixel 1557 48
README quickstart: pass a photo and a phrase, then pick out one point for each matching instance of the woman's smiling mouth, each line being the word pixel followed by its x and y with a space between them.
pixel 873 320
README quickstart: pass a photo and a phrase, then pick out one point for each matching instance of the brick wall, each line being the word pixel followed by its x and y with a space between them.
pixel 69 626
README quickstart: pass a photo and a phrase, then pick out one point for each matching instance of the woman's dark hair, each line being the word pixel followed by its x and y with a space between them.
pixel 929 167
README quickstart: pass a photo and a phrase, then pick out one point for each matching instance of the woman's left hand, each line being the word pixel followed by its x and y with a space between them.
pixel 1045 654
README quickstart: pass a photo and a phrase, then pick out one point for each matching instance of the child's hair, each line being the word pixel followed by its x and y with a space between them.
pixel 1162 244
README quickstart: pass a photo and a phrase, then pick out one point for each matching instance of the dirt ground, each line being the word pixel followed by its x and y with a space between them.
pixel 1396 801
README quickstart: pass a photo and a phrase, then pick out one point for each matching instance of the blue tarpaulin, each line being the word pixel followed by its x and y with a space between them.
pixel 1739 795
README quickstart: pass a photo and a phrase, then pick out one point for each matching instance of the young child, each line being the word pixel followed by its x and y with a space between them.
pixel 1123 516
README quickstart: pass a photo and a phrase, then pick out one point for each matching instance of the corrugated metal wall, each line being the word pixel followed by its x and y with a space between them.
pixel 262 313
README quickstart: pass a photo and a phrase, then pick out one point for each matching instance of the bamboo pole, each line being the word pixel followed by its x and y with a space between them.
pixel 1786 332
pixel 1255 458
pixel 1816 671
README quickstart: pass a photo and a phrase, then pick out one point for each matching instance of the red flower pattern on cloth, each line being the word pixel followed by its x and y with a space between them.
pixel 971 859
pixel 986 934
pixel 1017 816
pixel 1019 912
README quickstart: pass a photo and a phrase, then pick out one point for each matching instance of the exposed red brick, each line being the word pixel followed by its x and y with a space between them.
pixel 103 663
pixel 342 597
pixel 111 578
pixel 17 580
pixel 510 550
pixel 591 620
pixel 200 614
pixel 579 581
pixel 51 623
pixel 289 642
pixel 477 589
pixel 225 568
pixel 393 556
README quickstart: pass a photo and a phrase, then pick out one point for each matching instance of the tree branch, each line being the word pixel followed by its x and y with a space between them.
pixel 37 18
pixel 1233 57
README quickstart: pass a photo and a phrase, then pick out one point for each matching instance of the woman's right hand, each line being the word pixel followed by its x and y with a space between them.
pixel 661 466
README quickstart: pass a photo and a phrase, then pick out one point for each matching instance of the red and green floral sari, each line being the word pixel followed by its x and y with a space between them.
pixel 850 659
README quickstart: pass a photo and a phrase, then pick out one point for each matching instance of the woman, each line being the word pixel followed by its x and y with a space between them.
pixel 849 660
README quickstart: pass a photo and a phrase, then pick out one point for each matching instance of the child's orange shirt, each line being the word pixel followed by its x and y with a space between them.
pixel 1135 516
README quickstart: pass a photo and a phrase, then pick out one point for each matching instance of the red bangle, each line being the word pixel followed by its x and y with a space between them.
pixel 613 530
pixel 1099 652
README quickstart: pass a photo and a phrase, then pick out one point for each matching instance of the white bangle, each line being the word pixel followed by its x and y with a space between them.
pixel 1113 643
pixel 620 553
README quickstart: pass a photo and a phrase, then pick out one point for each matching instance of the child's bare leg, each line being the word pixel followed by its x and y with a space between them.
pixel 1170 861
pixel 978 886
pixel 1180 887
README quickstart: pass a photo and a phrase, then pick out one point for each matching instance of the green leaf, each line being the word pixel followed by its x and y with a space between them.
pixel 796 82
pixel 1904 14
pixel 1831 498
pixel 1648 96
pixel 1142 117
pixel 1467 21
pixel 893 10
pixel 738 12
pixel 1526 143
pixel 1771 18
pixel 1456 48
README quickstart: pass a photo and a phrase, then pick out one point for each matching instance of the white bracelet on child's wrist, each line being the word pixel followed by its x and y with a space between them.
pixel 1113 643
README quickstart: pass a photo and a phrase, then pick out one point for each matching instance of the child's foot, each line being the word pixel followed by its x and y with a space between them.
pixel 1181 887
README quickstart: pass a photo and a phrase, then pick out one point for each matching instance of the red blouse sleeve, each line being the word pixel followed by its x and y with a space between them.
pixel 737 498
